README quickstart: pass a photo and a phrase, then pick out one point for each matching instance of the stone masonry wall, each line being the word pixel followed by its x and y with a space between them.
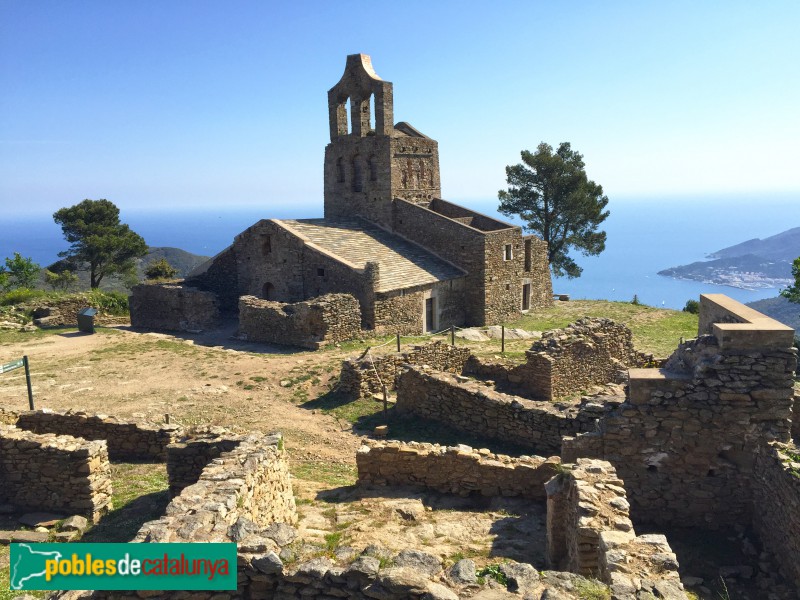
pixel 173 307
pixel 188 456
pixel 589 532
pixel 125 440
pixel 251 482
pixel 691 430
pixel 54 473
pixel 311 324
pixel 796 416
pixel 776 494
pixel 364 376
pixel 477 409
pixel 454 470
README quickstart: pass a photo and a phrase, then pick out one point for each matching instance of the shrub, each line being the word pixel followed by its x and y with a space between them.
pixel 160 269
pixel 19 272
pixel 20 295
pixel 113 303
pixel 635 300
pixel 692 306
pixel 63 280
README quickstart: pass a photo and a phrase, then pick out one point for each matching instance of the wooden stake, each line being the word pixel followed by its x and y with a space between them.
pixel 28 381
pixel 502 339
pixel 398 341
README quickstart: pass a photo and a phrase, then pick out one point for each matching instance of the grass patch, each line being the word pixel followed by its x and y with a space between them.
pixel 591 589
pixel 327 473
pixel 655 330
pixel 344 407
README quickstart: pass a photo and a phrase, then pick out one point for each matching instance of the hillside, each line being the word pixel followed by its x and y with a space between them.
pixel 752 264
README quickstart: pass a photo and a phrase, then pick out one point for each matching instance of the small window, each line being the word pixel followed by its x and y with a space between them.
pixel 267 244
pixel 321 272
pixel 508 252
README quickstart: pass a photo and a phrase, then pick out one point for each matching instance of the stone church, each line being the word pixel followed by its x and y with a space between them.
pixel 415 263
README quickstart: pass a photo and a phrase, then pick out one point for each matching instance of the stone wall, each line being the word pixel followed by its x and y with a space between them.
pixel 776 494
pixel 589 532
pixel 796 416
pixel 454 470
pixel 566 361
pixel 404 312
pixel 173 307
pixel 53 473
pixel 479 410
pixel 365 375
pixel 691 430
pixel 63 312
pixel 250 482
pixel 311 324
pixel 125 441
pixel 188 456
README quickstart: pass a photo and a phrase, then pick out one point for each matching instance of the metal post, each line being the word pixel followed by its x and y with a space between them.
pixel 452 335
pixel 502 339
pixel 28 381
pixel 398 341
pixel 385 404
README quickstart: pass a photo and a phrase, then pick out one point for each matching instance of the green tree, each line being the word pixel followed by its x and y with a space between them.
pixel 552 194
pixel 19 272
pixel 99 240
pixel 792 293
pixel 160 269
pixel 692 306
pixel 63 280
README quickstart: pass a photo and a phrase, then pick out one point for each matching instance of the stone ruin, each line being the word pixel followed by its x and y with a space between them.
pixel 587 353
pixel 702 441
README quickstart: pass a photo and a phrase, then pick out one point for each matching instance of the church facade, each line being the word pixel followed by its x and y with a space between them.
pixel 415 262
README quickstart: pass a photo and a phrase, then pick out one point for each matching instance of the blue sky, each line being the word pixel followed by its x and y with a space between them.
pixel 168 104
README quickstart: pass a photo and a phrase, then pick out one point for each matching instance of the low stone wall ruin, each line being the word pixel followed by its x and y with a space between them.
pixel 59 474
pixel 454 470
pixel 250 482
pixel 477 409
pixel 364 375
pixel 589 352
pixel 310 324
pixel 776 493
pixel 125 440
pixel 188 456
pixel 691 430
pixel 589 532
pixel 173 307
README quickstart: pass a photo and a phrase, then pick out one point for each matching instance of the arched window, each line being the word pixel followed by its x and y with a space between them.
pixel 372 113
pixel 268 291
pixel 340 175
pixel 358 174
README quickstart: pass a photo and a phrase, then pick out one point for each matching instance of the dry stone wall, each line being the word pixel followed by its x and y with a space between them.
pixel 188 456
pixel 589 532
pixel 691 430
pixel 311 324
pixel 251 482
pixel 796 416
pixel 365 375
pixel 55 473
pixel 477 409
pixel 173 307
pixel 125 440
pixel 777 500
pixel 454 470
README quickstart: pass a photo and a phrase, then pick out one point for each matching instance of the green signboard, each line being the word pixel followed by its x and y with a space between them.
pixel 14 364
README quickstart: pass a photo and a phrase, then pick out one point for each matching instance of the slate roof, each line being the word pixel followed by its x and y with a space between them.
pixel 355 241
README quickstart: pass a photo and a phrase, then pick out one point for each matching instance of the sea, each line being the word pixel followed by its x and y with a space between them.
pixel 644 236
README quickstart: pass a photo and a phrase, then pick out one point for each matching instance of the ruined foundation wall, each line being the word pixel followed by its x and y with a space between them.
pixel 250 481
pixel 125 440
pixel 187 457
pixel 589 532
pixel 691 430
pixel 776 493
pixel 52 473
pixel 796 417
pixel 479 410
pixel 310 324
pixel 363 376
pixel 454 470
pixel 173 307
